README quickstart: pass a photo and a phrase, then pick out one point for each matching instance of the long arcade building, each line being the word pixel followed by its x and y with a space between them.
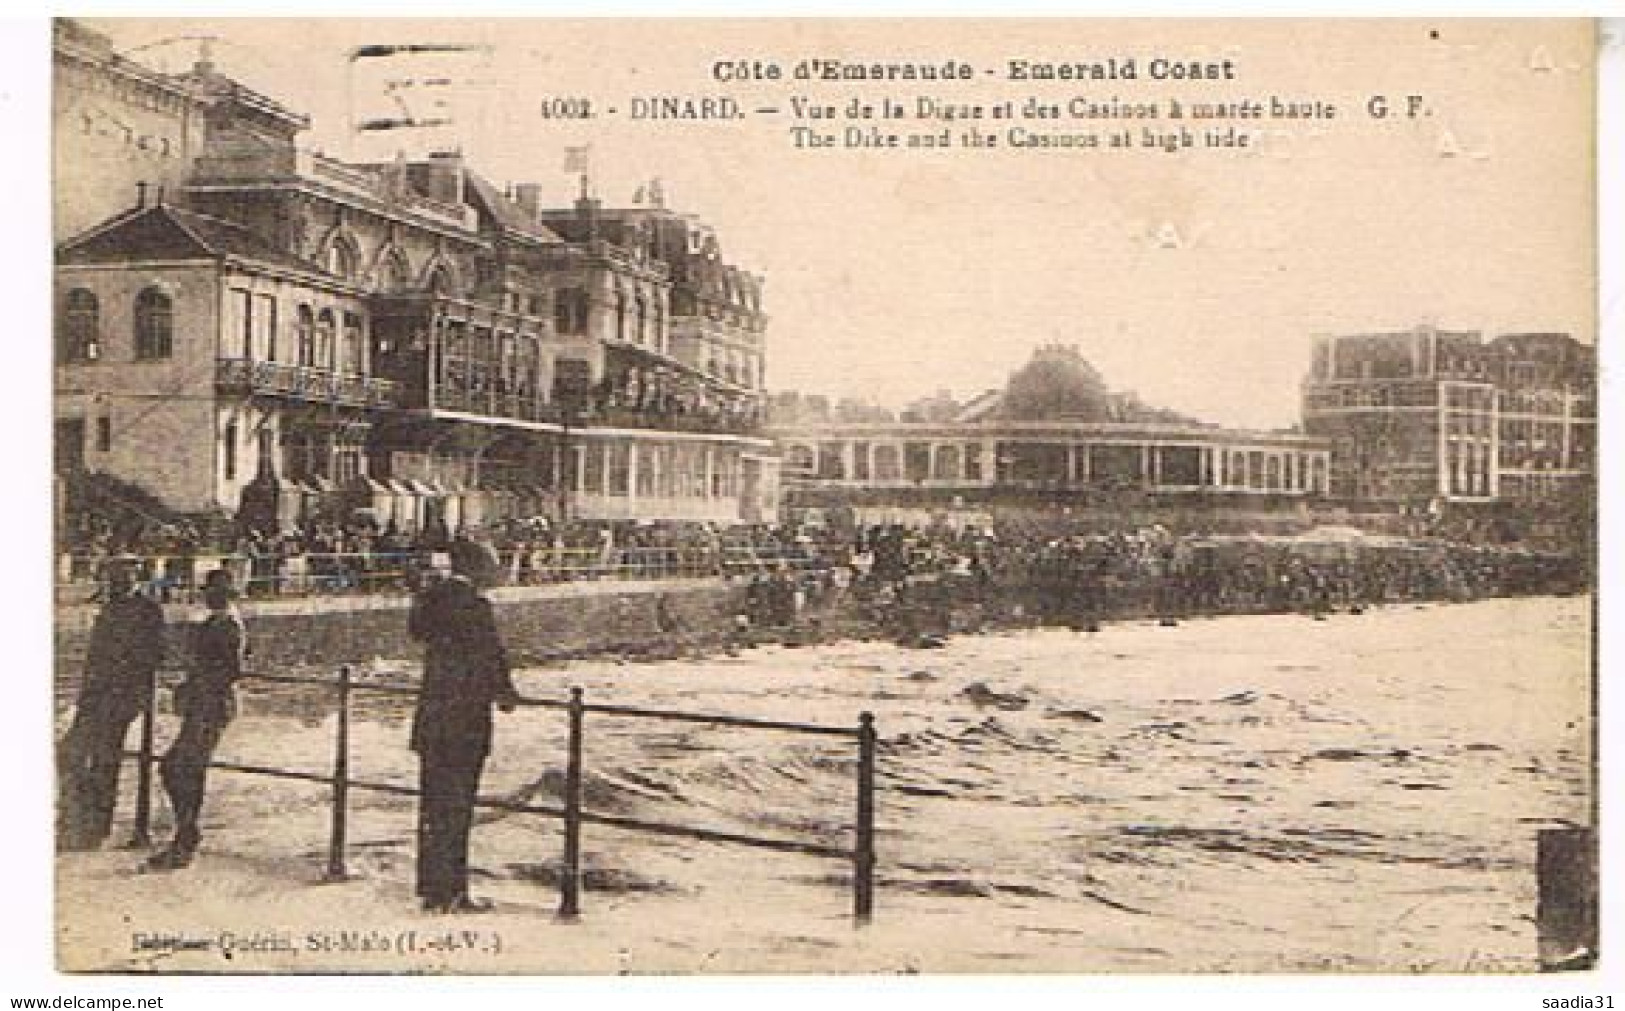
pixel 1055 456
pixel 282 336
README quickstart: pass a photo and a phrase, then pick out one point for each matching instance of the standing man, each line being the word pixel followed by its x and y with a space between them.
pixel 206 702
pixel 126 647
pixel 465 673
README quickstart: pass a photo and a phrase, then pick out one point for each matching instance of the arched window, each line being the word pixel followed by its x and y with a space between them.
pixel 154 325
pixel 341 258
pixel 305 334
pixel 79 328
pixel 441 281
pixel 325 326
pixel 396 275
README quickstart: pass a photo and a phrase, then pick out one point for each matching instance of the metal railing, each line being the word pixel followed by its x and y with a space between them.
pixel 338 573
pixel 303 382
pixel 341 781
pixel 494 402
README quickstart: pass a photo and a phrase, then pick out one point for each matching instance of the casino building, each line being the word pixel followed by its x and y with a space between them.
pixel 270 334
pixel 1053 434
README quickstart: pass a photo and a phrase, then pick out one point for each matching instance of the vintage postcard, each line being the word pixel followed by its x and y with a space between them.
pixel 824 496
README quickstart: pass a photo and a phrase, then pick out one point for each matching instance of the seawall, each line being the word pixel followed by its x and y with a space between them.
pixel 537 623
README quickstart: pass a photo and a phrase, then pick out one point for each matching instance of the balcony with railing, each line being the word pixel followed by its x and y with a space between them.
pixel 240 375
pixel 742 421
pixel 494 402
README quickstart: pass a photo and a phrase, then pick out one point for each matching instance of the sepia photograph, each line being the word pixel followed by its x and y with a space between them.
pixel 641 496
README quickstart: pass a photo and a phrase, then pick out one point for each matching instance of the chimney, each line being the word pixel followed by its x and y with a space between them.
pixel 442 177
pixel 529 197
pixel 204 65
pixel 587 211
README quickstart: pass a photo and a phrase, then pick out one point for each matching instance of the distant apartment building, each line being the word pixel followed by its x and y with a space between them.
pixel 1433 416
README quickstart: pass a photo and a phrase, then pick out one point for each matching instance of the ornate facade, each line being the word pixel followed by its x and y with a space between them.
pixel 306 337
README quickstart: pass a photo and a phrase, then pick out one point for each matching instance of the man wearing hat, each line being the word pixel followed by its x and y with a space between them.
pixel 465 673
pixel 206 703
pixel 126 647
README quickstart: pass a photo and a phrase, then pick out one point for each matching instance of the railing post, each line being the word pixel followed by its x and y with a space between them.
pixel 141 835
pixel 570 871
pixel 863 850
pixel 1566 912
pixel 337 838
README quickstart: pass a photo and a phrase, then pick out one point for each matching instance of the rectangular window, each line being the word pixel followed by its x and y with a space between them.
pixel 242 318
pixel 647 470
pixel 355 349
pixel 265 327
pixel 619 468
pixel 592 479
pixel 104 434
pixel 973 461
pixel 230 447
pixel 346 465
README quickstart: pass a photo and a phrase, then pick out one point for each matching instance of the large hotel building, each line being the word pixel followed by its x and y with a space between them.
pixel 250 329
pixel 1438 416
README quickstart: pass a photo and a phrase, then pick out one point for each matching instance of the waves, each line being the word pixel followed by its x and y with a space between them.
pixel 1260 792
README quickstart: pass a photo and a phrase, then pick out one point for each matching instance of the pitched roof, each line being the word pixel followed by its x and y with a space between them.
pixel 982 407
pixel 509 216
pixel 166 232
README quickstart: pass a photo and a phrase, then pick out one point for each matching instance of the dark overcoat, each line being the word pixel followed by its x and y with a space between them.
pixel 465 669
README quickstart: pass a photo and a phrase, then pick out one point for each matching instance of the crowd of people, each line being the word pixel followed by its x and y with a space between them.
pixel 917 585
pixel 945 579
pixel 1009 571
pixel 666 398
pixel 362 557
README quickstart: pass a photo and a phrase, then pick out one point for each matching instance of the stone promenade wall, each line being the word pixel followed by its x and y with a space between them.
pixel 536 622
